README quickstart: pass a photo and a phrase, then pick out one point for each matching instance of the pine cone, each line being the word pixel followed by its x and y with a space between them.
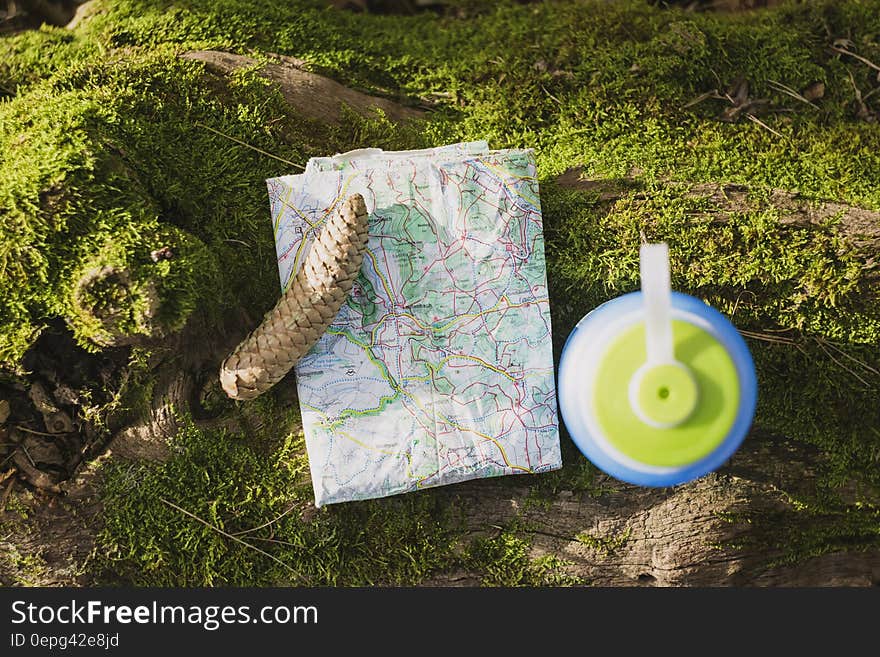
pixel 305 310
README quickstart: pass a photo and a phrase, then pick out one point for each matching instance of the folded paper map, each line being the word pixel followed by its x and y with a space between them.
pixel 439 367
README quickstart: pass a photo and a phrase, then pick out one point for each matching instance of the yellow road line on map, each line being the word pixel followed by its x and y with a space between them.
pixel 445 419
pixel 334 426
pixel 368 351
pixel 473 315
pixel 287 204
pixel 490 310
pixel 474 431
pixel 312 226
pixel 428 327
pixel 478 360
pixel 397 388
pixel 348 436
pixel 372 258
pixel 277 220
pixel 502 175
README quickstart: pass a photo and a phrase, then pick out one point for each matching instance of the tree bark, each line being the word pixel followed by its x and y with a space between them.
pixel 690 535
pixel 312 96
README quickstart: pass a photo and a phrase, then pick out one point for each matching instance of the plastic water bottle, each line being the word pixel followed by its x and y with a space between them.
pixel 655 387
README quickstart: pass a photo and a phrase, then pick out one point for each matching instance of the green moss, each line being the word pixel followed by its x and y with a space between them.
pixel 27 569
pixel 30 56
pixel 745 262
pixel 608 95
pixel 604 545
pixel 141 283
pixel 164 182
pixel 819 530
pixel 577 475
pixel 107 154
pixel 817 395
pixel 258 494
pixel 522 75
pixel 19 565
pixel 15 508
pixel 504 560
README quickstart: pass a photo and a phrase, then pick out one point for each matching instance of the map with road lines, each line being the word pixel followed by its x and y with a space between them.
pixel 439 367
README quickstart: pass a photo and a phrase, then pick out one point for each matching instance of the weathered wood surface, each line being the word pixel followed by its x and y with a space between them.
pixel 313 96
pixel 698 534
pixel 860 227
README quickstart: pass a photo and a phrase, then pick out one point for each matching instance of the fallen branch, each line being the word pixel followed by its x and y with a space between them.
pixel 298 576
pixel 251 146
pixel 867 62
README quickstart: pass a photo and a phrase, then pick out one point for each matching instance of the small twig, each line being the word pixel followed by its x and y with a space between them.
pixel 800 347
pixel 558 102
pixel 779 330
pixel 831 356
pixel 34 476
pixel 207 524
pixel 766 338
pixel 242 242
pixel 739 296
pixel 27 454
pixel 35 432
pixel 863 111
pixel 704 96
pixel 824 345
pixel 7 491
pixel 855 87
pixel 266 524
pixel 791 92
pixel 856 90
pixel 846 355
pixel 868 62
pixel 251 146
pixel 755 119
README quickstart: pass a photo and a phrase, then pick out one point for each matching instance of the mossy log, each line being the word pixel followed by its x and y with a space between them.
pixel 139 254
pixel 729 528
pixel 723 530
